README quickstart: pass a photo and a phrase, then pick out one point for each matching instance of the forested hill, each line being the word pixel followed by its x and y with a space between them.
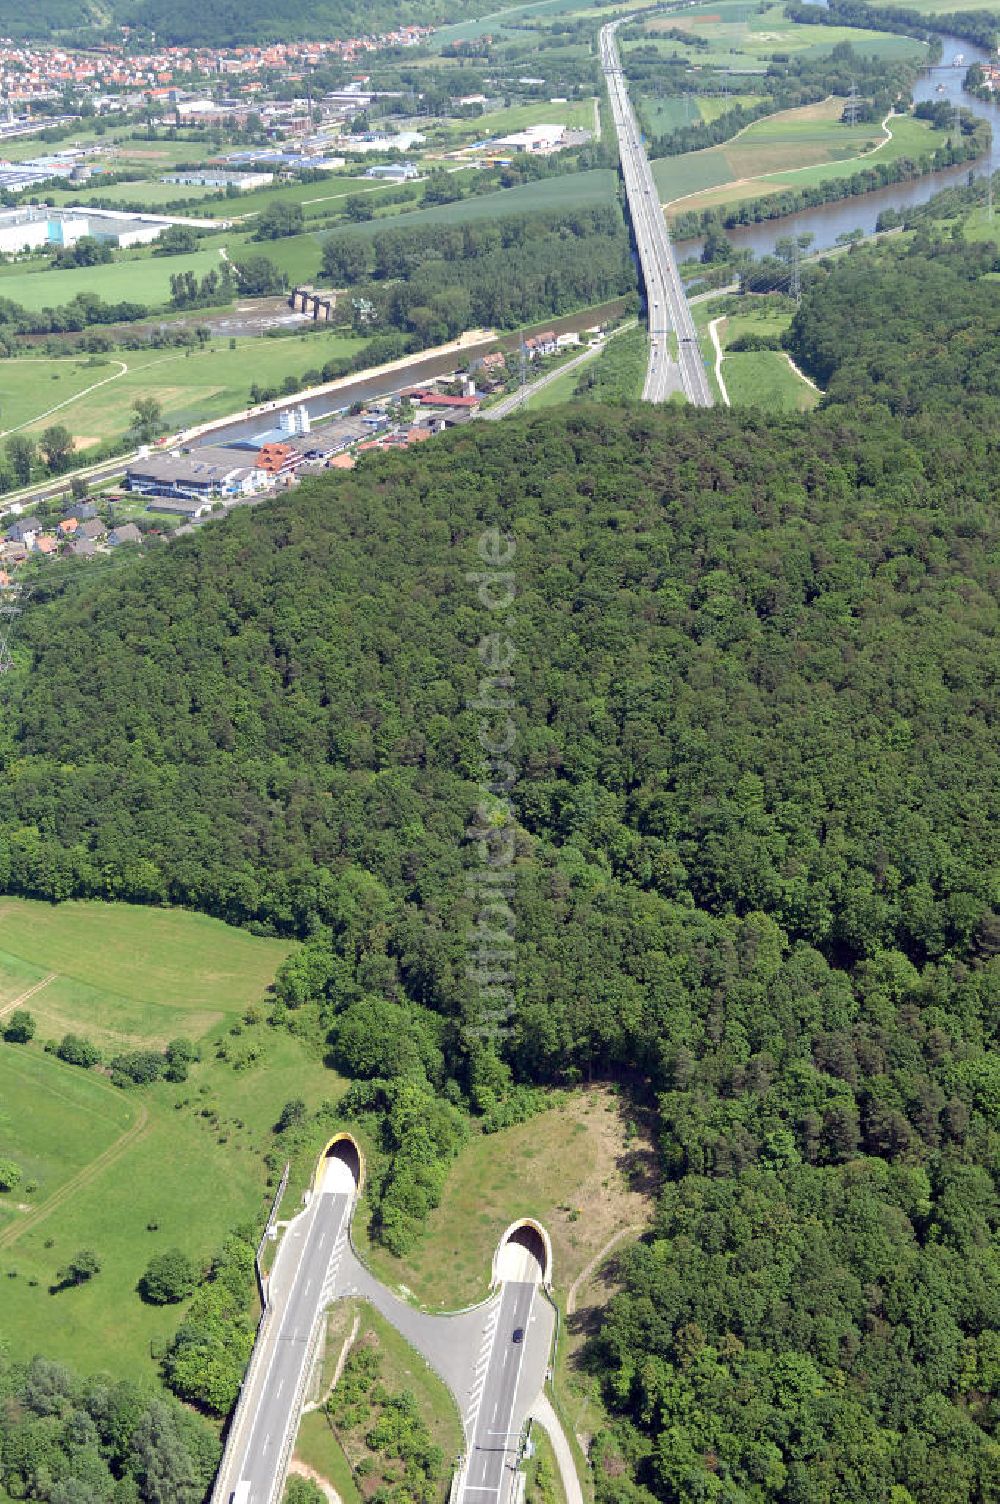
pixel 756 799
pixel 915 328
pixel 227 22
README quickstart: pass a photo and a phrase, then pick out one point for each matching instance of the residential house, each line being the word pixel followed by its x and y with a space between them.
pixel 83 511
pixel 127 533
pixel 46 543
pixel 537 345
pixel 68 526
pixel 93 529
pixel 82 548
pixel 24 530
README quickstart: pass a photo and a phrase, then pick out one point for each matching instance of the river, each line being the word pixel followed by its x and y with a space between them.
pixel 431 367
pixel 828 221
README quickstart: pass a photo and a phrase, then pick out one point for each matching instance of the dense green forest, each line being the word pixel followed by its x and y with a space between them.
pixel 756 788
pixel 904 328
pixel 98 1440
pixel 226 22
pixel 434 281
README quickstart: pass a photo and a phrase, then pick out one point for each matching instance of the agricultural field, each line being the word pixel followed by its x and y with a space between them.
pixel 674 112
pixel 793 148
pixel 136 278
pixel 580 1167
pixel 573 190
pixel 93 396
pixel 130 1173
pixel 740 36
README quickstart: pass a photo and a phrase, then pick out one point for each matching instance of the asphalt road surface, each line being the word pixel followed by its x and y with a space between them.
pixel 667 305
pixel 491 1472
pixel 316 1243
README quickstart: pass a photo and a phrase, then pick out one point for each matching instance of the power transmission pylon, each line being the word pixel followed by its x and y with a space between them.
pixel 853 106
pixel 13 597
pixel 795 286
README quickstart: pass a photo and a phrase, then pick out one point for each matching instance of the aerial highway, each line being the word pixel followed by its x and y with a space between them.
pixel 493 1357
pixel 667 305
pixel 264 1427
pixel 497 1419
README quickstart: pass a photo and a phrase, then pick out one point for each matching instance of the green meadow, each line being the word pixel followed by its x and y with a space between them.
pixel 95 399
pixel 139 278
pixel 130 1173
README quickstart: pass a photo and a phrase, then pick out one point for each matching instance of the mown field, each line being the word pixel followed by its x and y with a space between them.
pixel 795 148
pixel 190 385
pixel 151 194
pixel 129 1173
pixel 764 378
pixel 737 34
pixel 138 279
pixel 674 112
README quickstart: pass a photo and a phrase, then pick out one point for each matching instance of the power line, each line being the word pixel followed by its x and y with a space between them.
pixel 13 598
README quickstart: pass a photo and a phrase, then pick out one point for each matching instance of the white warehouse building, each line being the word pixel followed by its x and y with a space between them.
pixel 35 226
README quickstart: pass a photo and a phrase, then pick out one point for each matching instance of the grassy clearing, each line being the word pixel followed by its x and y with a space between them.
pixel 131 1173
pixel 757 378
pixel 764 378
pixel 619 372
pixel 53 1147
pixel 560 390
pixel 204 382
pixel 163 956
pixel 575 1168
pixel 139 279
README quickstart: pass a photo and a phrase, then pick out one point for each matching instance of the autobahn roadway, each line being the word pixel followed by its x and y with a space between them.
pixel 490 1475
pixel 667 304
pixel 308 1260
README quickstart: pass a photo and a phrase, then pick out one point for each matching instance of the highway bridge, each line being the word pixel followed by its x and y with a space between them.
pixel 667 306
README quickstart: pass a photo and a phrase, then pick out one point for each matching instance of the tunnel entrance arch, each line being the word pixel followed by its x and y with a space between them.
pixel 341 1153
pixel 524 1253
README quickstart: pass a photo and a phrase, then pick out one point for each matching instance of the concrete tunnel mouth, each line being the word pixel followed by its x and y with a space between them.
pixel 524 1253
pixel 342 1158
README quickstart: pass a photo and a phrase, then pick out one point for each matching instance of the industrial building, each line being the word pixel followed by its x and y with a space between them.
pixel 197 478
pixel 37 226
pixel 213 177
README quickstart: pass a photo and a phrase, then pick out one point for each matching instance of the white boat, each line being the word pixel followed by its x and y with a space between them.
pixel 958 59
